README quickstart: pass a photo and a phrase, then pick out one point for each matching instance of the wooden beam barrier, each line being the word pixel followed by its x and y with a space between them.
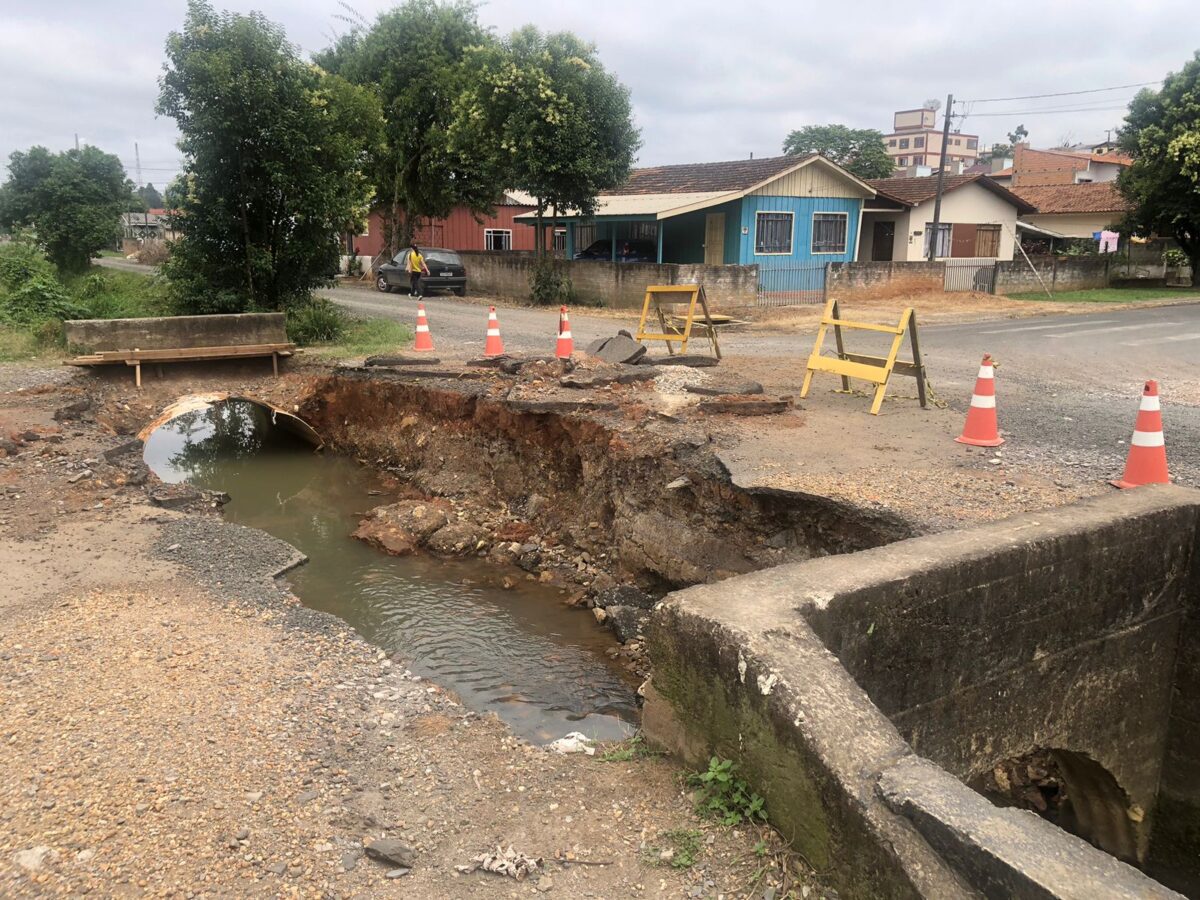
pixel 875 369
pixel 658 295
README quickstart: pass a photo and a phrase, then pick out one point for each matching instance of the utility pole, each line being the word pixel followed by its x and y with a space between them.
pixel 77 142
pixel 937 200
pixel 137 163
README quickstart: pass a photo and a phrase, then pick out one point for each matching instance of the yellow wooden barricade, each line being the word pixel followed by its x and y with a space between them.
pixel 671 295
pixel 875 369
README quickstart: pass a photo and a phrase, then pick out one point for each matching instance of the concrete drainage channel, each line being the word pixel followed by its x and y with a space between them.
pixel 861 675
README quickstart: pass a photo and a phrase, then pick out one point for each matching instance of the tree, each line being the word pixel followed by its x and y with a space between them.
pixel 996 151
pixel 273 150
pixel 1162 134
pixel 412 59
pixel 858 150
pixel 151 197
pixel 548 119
pixel 73 200
pixel 1018 135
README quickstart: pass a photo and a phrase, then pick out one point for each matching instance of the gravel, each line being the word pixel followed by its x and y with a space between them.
pixel 674 380
pixel 21 378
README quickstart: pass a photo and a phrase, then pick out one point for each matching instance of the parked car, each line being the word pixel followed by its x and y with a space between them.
pixel 446 272
pixel 633 250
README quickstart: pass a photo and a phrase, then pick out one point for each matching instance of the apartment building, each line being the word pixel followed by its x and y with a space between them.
pixel 916 140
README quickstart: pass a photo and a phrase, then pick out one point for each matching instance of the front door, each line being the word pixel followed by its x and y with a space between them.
pixel 882 241
pixel 714 239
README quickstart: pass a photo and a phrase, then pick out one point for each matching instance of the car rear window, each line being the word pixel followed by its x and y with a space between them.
pixel 443 258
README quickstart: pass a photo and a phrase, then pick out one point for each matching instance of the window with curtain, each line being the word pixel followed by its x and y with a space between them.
pixel 943 240
pixel 987 240
pixel 829 232
pixel 773 232
pixel 497 239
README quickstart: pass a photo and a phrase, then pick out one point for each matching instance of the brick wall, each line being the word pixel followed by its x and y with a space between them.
pixel 880 280
pixel 1058 273
pixel 613 284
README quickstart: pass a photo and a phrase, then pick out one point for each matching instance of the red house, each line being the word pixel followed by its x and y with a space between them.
pixel 461 231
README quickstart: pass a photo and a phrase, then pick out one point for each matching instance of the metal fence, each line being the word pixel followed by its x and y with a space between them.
pixel 978 275
pixel 791 285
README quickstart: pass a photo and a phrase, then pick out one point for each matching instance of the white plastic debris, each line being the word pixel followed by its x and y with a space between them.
pixel 505 862
pixel 573 743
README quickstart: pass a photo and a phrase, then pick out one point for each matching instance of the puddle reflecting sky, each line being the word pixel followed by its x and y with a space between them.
pixel 520 653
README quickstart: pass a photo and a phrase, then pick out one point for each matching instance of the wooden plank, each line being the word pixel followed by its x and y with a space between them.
pixel 672 289
pixel 181 353
pixel 864 326
pixel 873 374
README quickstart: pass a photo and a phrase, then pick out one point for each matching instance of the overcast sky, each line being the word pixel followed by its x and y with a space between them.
pixel 710 81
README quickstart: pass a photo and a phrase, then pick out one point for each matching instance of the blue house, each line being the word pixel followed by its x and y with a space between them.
pixel 789 215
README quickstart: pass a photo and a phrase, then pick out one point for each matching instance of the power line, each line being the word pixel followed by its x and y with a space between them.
pixel 1119 87
pixel 1043 112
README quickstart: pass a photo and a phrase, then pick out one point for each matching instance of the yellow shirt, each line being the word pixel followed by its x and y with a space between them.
pixel 416 262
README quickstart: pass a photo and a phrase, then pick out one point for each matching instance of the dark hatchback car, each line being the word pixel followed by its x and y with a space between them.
pixel 446 272
pixel 634 250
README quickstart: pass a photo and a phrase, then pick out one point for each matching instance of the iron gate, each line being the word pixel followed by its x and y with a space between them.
pixel 791 285
pixel 975 275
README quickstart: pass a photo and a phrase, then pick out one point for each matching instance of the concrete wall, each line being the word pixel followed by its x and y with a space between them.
pixel 1056 629
pixel 1059 274
pixel 168 333
pixel 873 280
pixel 613 284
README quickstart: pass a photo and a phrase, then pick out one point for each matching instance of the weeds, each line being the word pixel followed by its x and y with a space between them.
pixel 364 337
pixel 726 797
pixel 634 748
pixel 319 321
pixel 682 850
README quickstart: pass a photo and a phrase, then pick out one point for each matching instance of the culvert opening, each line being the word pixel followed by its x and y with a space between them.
pixel 517 651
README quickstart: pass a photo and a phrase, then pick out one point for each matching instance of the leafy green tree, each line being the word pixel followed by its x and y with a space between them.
pixel 150 196
pixel 412 58
pixel 1162 134
pixel 857 150
pixel 273 152
pixel 1018 135
pixel 73 201
pixel 548 119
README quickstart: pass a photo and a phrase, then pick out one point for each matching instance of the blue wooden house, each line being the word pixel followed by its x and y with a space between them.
pixel 790 215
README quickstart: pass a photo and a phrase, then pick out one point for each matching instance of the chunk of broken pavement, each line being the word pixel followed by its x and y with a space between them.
pixel 618 349
pixel 400 528
pixel 392 851
pixel 724 387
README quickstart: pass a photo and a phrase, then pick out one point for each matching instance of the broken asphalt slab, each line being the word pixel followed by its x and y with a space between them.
pixel 620 348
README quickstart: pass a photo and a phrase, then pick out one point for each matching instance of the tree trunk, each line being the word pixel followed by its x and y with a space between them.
pixel 539 240
pixel 1190 244
pixel 249 270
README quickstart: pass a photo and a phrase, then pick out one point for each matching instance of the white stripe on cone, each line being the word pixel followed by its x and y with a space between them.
pixel 1150 404
pixel 983 402
pixel 1147 439
pixel 422 328
pixel 986 372
pixel 565 335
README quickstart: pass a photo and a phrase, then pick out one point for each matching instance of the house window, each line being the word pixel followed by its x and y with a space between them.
pixel 891 142
pixel 987 240
pixel 497 239
pixel 773 233
pixel 958 142
pixel 918 160
pixel 943 241
pixel 829 232
pixel 643 231
pixel 904 160
pixel 560 240
pixel 972 144
pixel 903 143
pixel 919 142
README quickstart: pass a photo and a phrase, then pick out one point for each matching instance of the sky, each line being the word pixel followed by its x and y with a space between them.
pixel 709 81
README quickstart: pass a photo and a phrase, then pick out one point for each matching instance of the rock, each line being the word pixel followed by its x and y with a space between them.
pixel 30 436
pixel 695 362
pixel 253 796
pixel 307 796
pixel 456 539
pixel 349 860
pixel 745 406
pixel 626 621
pixel 85 856
pixel 384 359
pixel 242 835
pixel 487 362
pixel 86 473
pixel 619 349
pixel 33 859
pixel 679 483
pixel 600 614
pixel 625 595
pixel 8 447
pixel 72 410
pixel 174 496
pixel 392 851
pixel 278 868
pixel 722 388
pixel 400 528
pixel 397 873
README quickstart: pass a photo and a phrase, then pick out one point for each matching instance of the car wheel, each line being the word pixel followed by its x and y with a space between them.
pixel 382 285
pixel 460 292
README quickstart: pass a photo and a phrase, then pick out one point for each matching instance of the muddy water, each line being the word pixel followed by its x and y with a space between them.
pixel 519 653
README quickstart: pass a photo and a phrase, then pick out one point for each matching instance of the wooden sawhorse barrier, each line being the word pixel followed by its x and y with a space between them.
pixel 673 294
pixel 875 369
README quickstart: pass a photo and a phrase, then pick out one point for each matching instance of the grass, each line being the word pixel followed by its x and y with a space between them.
pixel 365 337
pixel 1108 295
pixel 683 846
pixel 17 344
pixel 625 751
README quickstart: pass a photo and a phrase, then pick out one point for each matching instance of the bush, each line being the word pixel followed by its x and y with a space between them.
pixel 319 321
pixel 1174 258
pixel 152 253
pixel 550 285
pixel 21 262
pixel 38 299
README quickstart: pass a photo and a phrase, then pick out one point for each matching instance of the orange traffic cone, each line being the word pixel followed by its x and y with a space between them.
pixel 493 346
pixel 1147 461
pixel 566 344
pixel 424 339
pixel 981 429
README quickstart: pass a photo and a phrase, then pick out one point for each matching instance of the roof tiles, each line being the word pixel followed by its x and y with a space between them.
pixel 691 178
pixel 1101 196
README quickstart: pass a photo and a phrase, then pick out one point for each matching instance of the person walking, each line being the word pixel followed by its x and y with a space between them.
pixel 416 268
